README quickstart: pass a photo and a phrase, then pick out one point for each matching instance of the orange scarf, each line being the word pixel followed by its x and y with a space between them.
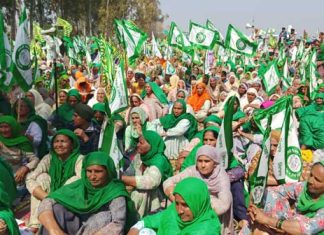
pixel 197 101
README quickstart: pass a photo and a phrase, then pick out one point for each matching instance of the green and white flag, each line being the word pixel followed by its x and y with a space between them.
pixel 131 37
pixel 300 50
pixel 170 69
pixel 286 79
pixel 271 78
pixel 219 37
pixel 258 180
pixel 155 49
pixel 237 41
pixel 276 112
pixel 118 98
pixel 177 39
pixel 282 56
pixel 21 62
pixel 196 58
pixel 312 76
pixel 201 36
pixel 287 163
pixel 5 57
pixel 224 144
pixel 108 139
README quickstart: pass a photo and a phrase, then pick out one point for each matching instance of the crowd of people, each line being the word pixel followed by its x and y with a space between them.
pixel 172 180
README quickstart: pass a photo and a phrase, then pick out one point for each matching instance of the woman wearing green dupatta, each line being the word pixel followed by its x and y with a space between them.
pixel 8 224
pixel 190 214
pixel 64 114
pixel 151 170
pixel 293 208
pixel 16 149
pixel 97 203
pixel 208 137
pixel 34 126
pixel 138 117
pixel 311 117
pixel 177 128
pixel 155 99
pixel 61 166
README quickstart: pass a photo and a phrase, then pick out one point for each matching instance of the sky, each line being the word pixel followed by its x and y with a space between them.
pixel 300 14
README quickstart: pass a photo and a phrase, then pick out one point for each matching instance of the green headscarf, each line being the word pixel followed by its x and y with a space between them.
pixel 41 122
pixel 157 92
pixel 239 113
pixel 82 198
pixel 307 205
pixel 155 156
pixel 7 196
pixel 66 111
pixel 60 171
pixel 170 120
pixel 195 193
pixel 190 160
pixel 213 118
pixel 99 107
pixel 17 139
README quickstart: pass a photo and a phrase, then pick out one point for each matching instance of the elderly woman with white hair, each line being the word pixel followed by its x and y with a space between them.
pixel 208 169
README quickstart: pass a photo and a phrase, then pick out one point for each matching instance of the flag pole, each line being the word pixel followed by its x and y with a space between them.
pixel 55 87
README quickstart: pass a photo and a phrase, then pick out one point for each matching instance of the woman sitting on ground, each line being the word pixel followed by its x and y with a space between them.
pixel 151 170
pixel 208 169
pixel 16 149
pixel 34 126
pixel 97 203
pixel 306 216
pixel 177 129
pixel 138 117
pixel 190 213
pixel 61 166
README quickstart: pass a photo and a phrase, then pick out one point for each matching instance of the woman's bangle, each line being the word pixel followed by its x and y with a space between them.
pixel 279 223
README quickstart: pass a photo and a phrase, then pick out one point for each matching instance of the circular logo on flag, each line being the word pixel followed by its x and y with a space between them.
pixel 240 44
pixel 200 37
pixel 257 194
pixel 23 57
pixel 178 39
pixel 293 161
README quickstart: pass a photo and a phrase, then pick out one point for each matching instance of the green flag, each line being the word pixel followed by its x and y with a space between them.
pixel 258 180
pixel 201 36
pixel 219 37
pixel 177 39
pixel 312 75
pixel 118 98
pixel 131 37
pixel 5 57
pixel 286 79
pixel 21 62
pixel 224 143
pixel 287 163
pixel 276 112
pixel 237 41
pixel 271 78
pixel 118 102
pixel 170 69
pixel 65 28
pixel 155 49
pixel 108 139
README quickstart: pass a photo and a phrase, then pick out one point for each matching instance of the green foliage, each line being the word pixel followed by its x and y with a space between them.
pixel 93 17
